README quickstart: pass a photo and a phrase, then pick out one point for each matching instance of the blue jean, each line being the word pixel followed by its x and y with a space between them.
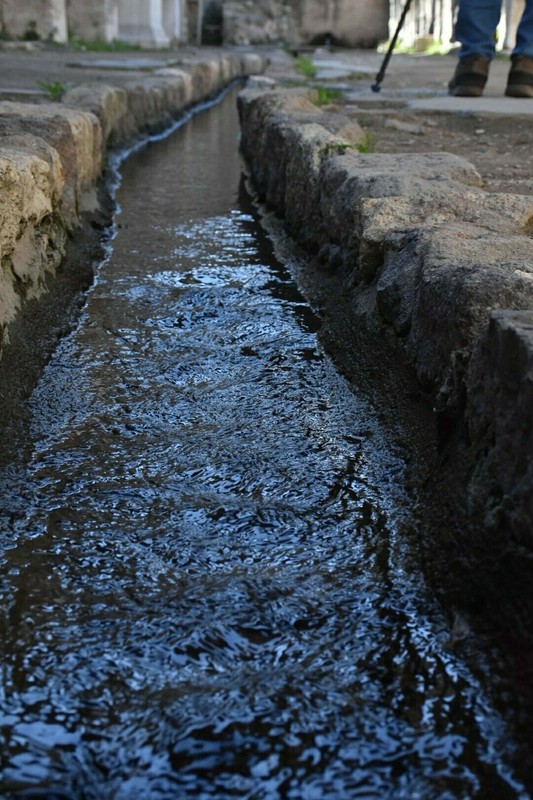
pixel 477 21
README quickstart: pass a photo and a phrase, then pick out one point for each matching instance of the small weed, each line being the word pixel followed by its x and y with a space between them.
pixel 54 89
pixel 31 34
pixel 116 46
pixel 306 67
pixel 368 145
pixel 327 95
pixel 336 149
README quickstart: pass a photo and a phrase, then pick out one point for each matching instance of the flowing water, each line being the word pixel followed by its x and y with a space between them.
pixel 209 585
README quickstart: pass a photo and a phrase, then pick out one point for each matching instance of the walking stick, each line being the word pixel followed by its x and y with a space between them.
pixel 381 74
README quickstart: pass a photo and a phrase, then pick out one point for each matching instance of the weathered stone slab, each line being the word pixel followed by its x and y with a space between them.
pixel 51 158
pixel 438 289
pixel 151 103
pixel 108 103
pixel 289 137
pixel 500 420
pixel 252 64
pixel 134 64
pixel 76 135
pixel 32 235
pixel 369 200
pixel 425 256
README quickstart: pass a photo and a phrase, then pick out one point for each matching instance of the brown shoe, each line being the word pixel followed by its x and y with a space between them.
pixel 470 77
pixel 520 80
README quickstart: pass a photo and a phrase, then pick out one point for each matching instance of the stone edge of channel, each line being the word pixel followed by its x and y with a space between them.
pixel 52 157
pixel 431 261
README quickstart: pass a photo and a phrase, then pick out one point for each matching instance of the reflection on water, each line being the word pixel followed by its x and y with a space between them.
pixel 205 590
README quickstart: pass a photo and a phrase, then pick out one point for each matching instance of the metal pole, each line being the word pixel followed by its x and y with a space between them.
pixel 381 74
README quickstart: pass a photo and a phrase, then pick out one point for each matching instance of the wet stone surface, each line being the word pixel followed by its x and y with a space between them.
pixel 208 581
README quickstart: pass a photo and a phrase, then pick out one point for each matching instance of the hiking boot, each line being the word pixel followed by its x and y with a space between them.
pixel 470 77
pixel 520 80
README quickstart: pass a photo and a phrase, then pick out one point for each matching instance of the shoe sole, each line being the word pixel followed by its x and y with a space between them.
pixel 466 91
pixel 519 91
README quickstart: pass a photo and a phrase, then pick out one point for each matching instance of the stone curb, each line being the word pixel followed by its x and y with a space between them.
pixel 52 157
pixel 432 262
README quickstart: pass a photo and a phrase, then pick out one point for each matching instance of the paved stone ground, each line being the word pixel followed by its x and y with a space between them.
pixel 21 70
pixel 413 112
pixel 417 82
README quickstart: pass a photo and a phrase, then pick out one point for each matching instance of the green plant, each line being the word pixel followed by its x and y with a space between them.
pixel 368 144
pixel 30 34
pixel 117 45
pixel 336 149
pixel 306 67
pixel 54 89
pixel 326 95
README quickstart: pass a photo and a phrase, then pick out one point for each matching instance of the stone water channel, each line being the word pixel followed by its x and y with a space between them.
pixel 209 584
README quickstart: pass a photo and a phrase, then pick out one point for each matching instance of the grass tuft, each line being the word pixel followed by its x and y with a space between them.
pixel 368 145
pixel 54 89
pixel 306 67
pixel 326 95
pixel 116 46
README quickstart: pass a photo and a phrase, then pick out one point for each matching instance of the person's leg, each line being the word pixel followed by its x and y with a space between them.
pixel 476 25
pixel 520 81
pixel 524 34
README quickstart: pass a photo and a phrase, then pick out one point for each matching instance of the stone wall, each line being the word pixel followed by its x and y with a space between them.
pixel 51 157
pixel 141 22
pixel 93 20
pixel 246 22
pixel 355 23
pixel 352 23
pixel 430 263
pixel 43 19
pixel 150 23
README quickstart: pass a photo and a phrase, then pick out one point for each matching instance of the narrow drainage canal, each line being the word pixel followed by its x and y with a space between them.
pixel 205 588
